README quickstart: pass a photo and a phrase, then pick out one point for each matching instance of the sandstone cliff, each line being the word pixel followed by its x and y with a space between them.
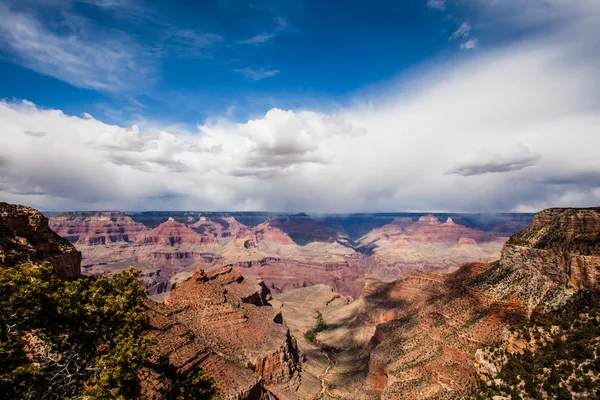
pixel 421 336
pixel 546 264
pixel 25 236
pixel 430 351
pixel 96 228
pixel 230 316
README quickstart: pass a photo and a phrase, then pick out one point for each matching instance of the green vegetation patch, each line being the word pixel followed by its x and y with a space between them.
pixel 311 334
pixel 82 338
pixel 566 367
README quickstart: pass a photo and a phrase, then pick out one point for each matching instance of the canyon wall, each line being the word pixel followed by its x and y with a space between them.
pixel 26 237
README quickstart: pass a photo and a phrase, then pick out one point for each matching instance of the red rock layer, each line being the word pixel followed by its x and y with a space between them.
pixel 230 314
pixel 97 228
pixel 430 229
pixel 172 233
pixel 266 231
pixel 429 350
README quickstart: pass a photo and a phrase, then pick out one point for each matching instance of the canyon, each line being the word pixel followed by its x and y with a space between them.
pixel 407 308
pixel 286 251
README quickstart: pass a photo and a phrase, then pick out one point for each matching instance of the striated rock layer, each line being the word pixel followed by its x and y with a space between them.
pixel 404 246
pixel 96 228
pixel 430 350
pixel 25 236
pixel 218 321
pixel 287 252
pixel 223 322
pixel 421 336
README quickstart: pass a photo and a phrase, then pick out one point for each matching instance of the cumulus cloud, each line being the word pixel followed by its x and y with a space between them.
pixel 516 127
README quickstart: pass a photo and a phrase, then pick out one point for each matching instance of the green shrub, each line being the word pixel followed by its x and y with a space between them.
pixel 71 339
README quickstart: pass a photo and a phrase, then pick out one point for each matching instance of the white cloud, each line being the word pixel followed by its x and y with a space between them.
pixel 77 55
pixel 469 44
pixel 463 31
pixel 263 37
pixel 517 127
pixel 437 4
pixel 256 74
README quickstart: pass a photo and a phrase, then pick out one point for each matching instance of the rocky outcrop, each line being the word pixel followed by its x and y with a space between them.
pixel 542 267
pixel 97 228
pixel 217 320
pixel 187 352
pixel 429 229
pixel 266 231
pixel 172 233
pixel 404 246
pixel 26 237
pixel 231 315
pixel 562 244
pixel 433 349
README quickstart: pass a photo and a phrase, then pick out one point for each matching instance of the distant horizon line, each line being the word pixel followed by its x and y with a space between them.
pixel 294 213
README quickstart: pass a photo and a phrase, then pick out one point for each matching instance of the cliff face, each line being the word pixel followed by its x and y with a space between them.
pixel 96 228
pixel 404 245
pixel 421 335
pixel 454 316
pixel 231 315
pixel 26 236
pixel 563 245
pixel 546 264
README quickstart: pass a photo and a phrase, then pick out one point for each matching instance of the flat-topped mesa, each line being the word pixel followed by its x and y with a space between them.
pixel 171 233
pixel 26 237
pixel 97 228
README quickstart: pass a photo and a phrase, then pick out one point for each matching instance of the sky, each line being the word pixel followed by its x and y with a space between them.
pixel 315 106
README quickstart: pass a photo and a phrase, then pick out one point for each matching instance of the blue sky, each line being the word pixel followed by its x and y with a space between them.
pixel 185 61
pixel 314 106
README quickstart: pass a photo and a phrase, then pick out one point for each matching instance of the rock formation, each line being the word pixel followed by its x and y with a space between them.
pixel 453 316
pixel 225 320
pixel 96 228
pixel 286 251
pixel 25 236
pixel 422 336
pixel 218 320
pixel 404 246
